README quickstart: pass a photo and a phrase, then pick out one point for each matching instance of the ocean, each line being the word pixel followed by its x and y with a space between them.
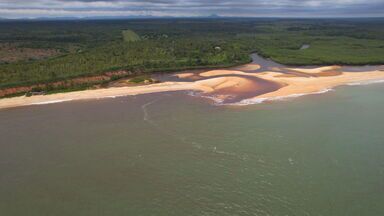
pixel 175 154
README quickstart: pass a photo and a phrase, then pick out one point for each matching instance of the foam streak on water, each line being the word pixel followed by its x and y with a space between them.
pixel 366 82
pixel 278 98
pixel 51 102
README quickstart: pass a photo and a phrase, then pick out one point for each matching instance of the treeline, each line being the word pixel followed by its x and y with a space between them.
pixel 139 57
pixel 95 47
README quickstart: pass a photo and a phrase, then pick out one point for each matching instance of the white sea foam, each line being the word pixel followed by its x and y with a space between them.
pixel 67 100
pixel 251 101
pixel 366 82
pixel 193 93
pixel 144 107
pixel 51 102
pixel 113 96
pixel 215 99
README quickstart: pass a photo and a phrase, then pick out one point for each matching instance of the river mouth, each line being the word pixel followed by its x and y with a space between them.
pixel 260 65
pixel 257 82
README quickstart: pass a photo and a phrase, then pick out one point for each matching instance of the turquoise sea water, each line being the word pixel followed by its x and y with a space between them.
pixel 173 154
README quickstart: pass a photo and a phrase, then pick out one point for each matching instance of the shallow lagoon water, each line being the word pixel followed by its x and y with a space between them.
pixel 173 154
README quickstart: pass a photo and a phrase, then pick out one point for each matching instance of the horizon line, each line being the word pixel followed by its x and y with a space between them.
pixel 64 18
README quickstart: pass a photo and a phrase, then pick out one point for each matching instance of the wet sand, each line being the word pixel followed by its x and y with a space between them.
pixel 238 85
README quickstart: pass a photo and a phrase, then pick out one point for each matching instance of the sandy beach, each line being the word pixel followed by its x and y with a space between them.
pixel 242 86
pixel 207 86
pixel 297 86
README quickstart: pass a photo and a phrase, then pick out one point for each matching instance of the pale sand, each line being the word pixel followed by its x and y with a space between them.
pixel 308 85
pixel 208 86
pixel 219 83
pixel 96 94
pixel 220 73
pixel 315 70
pixel 292 85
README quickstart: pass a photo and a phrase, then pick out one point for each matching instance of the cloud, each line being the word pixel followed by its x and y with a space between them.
pixel 248 8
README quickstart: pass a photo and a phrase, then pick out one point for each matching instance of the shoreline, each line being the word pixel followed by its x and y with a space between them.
pixel 234 86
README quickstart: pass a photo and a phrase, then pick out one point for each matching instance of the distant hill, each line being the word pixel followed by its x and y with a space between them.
pixel 214 16
pixel 94 18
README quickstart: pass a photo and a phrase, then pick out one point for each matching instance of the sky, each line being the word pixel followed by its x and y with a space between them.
pixel 191 8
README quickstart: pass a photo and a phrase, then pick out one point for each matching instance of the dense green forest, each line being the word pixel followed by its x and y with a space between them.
pixel 84 47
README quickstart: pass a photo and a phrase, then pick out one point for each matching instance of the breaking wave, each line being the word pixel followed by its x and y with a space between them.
pixel 216 100
pixel 366 82
pixel 51 102
pixel 252 101
pixel 278 98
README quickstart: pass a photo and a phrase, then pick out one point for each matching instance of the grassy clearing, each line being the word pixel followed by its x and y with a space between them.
pixel 130 36
pixel 13 52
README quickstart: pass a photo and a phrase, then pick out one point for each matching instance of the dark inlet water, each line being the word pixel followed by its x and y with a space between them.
pixel 172 154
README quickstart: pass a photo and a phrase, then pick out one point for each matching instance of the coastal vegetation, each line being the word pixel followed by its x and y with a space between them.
pixel 57 51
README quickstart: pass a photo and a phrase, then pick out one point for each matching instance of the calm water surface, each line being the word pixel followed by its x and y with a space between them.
pixel 172 154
